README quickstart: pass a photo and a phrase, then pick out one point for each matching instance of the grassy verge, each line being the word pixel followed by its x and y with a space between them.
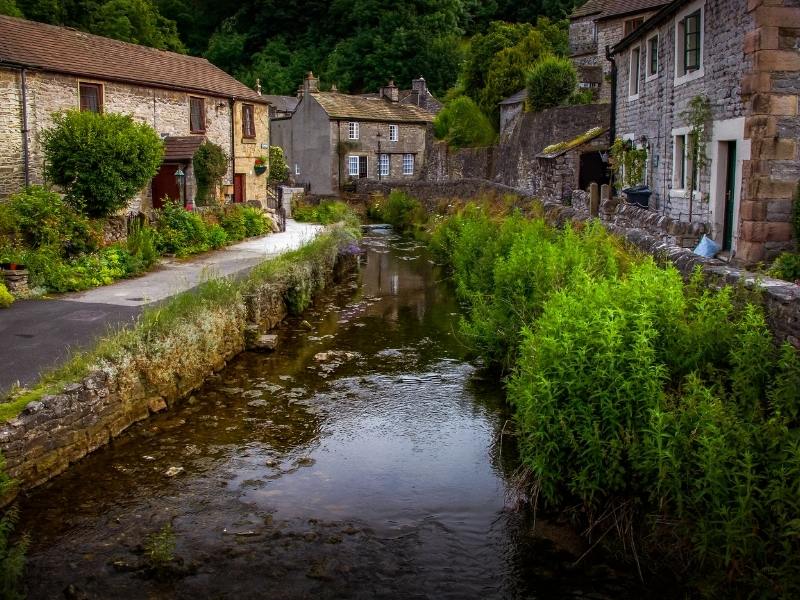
pixel 304 270
pixel 656 410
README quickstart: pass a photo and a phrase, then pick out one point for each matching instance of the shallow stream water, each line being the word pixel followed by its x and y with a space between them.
pixel 364 458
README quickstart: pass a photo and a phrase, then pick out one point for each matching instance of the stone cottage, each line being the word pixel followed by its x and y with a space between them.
pixel 598 24
pixel 332 138
pixel 741 58
pixel 45 69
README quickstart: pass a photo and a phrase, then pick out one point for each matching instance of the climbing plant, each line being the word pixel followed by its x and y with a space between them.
pixel 628 163
pixel 210 164
pixel 697 117
pixel 278 169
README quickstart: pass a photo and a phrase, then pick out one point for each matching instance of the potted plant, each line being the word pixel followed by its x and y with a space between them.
pixel 260 166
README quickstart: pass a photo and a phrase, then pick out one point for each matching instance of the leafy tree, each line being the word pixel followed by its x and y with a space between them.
pixel 551 83
pixel 210 165
pixel 9 7
pixel 101 160
pixel 138 22
pixel 461 123
pixel 278 169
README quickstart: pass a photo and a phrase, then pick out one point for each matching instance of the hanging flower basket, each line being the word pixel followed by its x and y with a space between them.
pixel 260 170
pixel 260 166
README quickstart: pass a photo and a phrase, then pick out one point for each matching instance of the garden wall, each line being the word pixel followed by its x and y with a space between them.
pixel 145 378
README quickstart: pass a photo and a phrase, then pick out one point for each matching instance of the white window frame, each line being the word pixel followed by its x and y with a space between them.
pixel 649 51
pixel 352 159
pixel 408 164
pixel 680 157
pixel 394 133
pixel 353 130
pixel 384 165
pixel 680 77
pixel 296 169
pixel 634 72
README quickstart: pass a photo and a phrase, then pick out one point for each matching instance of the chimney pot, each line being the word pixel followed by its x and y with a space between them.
pixel 390 92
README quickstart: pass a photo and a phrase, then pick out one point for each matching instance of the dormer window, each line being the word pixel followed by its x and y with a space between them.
pixel 632 25
pixel 353 130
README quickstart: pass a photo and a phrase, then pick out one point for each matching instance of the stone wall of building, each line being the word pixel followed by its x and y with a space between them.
pixel 60 429
pixel 11 140
pixel 246 150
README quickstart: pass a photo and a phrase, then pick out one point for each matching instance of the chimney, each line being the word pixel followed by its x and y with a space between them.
pixel 419 85
pixel 300 90
pixel 334 89
pixel 258 86
pixel 390 92
pixel 311 84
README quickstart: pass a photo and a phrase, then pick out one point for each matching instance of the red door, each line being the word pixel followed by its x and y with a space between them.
pixel 165 185
pixel 239 188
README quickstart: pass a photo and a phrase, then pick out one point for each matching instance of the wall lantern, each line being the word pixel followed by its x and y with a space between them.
pixel 180 179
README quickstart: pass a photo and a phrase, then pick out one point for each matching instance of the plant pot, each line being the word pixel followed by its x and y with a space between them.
pixel 12 266
pixel 260 170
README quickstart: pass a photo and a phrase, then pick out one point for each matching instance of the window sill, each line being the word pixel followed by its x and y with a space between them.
pixel 696 74
pixel 633 98
pixel 248 140
pixel 651 78
pixel 675 194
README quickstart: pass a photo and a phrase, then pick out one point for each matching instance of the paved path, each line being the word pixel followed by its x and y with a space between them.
pixel 36 335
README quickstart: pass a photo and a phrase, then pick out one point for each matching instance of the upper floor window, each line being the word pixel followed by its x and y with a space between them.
pixel 91 97
pixel 197 115
pixel 393 133
pixel 248 121
pixel 383 165
pixel 652 56
pixel 408 164
pixel 689 43
pixel 632 25
pixel 353 130
pixel 634 72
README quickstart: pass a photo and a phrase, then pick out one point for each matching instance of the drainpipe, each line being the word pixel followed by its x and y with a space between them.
pixel 232 103
pixel 612 124
pixel 25 149
pixel 339 150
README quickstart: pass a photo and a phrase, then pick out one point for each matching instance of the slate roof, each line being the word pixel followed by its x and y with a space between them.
pixel 650 24
pixel 282 103
pixel 68 51
pixel 344 106
pixel 605 9
pixel 181 148
pixel 517 98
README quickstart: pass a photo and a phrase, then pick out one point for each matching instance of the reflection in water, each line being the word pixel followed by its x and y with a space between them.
pixel 363 459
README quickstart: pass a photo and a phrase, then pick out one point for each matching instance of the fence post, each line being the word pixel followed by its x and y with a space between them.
pixel 594 200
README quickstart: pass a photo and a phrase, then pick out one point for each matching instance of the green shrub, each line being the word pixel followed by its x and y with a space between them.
pixel 551 82
pixel 278 169
pixel 101 160
pixel 255 220
pixel 160 547
pixel 400 210
pixel 6 299
pixel 462 124
pixel 326 212
pixel 180 232
pixel 232 221
pixel 210 164
pixel 217 237
pixel 141 245
pixel 786 267
pixel 12 554
pixel 37 217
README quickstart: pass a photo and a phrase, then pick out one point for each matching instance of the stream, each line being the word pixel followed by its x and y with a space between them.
pixel 365 458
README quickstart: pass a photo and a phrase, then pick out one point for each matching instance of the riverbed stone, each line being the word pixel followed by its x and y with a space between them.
pixel 266 342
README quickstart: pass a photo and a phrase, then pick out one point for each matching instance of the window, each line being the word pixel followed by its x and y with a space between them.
pixel 91 97
pixel 248 121
pixel 408 164
pixel 352 165
pixel 632 25
pixel 383 165
pixel 353 130
pixel 652 56
pixel 197 115
pixel 633 83
pixel 680 163
pixel 296 169
pixel 393 133
pixel 689 44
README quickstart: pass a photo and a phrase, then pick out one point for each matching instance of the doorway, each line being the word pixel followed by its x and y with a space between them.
pixel 592 169
pixel 729 200
pixel 239 189
pixel 165 185
pixel 362 167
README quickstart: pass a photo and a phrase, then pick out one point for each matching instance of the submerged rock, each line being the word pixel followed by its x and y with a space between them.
pixel 173 471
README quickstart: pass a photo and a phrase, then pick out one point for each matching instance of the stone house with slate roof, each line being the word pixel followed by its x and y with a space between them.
pixel 45 69
pixel 743 56
pixel 598 24
pixel 332 138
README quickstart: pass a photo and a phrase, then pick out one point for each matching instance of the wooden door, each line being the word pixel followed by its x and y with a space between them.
pixel 165 185
pixel 730 198
pixel 362 167
pixel 239 189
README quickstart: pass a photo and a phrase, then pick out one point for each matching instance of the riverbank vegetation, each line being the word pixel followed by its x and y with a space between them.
pixel 181 326
pixel 659 413
pixel 326 212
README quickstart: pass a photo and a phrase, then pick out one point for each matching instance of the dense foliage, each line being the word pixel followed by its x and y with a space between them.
pixel 100 160
pixel 664 410
pixel 6 299
pixel 462 124
pixel 210 164
pixel 326 212
pixel 398 209
pixel 278 169
pixel 551 82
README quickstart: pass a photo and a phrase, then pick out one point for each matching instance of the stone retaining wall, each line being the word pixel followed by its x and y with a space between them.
pixel 145 378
